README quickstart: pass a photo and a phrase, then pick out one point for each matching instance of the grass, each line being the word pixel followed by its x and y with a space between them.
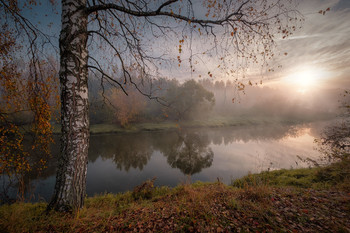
pixel 303 178
pixel 214 121
pixel 336 175
pixel 299 200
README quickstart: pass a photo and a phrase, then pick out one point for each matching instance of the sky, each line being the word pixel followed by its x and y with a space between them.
pixel 318 54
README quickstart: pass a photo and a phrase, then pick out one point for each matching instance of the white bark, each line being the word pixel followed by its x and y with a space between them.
pixel 72 167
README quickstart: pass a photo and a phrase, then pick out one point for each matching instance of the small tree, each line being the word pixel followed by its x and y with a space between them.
pixel 335 140
pixel 126 107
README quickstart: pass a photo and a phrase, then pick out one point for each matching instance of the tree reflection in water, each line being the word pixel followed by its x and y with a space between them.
pixel 187 151
pixel 190 153
pixel 126 150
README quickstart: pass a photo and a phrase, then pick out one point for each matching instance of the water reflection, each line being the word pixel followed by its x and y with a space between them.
pixel 118 162
pixel 253 133
pixel 187 151
pixel 126 151
pixel 190 153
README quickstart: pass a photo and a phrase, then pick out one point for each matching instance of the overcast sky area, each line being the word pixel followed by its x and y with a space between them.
pixel 320 51
pixel 318 54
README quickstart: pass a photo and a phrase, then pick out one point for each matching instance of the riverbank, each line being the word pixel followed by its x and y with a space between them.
pixel 302 200
pixel 173 125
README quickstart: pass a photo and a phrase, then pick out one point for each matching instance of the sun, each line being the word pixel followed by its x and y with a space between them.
pixel 305 78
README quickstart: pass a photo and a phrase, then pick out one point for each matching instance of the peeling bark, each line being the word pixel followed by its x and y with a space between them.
pixel 70 185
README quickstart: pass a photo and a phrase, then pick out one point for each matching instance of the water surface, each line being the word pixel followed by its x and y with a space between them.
pixel 119 162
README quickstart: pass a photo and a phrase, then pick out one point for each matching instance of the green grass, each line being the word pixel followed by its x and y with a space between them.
pixel 105 128
pixel 302 178
pixel 334 175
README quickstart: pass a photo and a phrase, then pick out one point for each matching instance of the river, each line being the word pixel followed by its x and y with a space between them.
pixel 119 162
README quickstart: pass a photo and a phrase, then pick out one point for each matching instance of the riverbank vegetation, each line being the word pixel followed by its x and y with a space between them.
pixel 311 199
pixel 213 122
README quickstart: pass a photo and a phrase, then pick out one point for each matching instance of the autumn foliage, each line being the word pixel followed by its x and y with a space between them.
pixel 126 108
pixel 25 98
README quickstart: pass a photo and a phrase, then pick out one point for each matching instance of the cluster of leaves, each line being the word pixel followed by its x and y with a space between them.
pixel 26 97
pixel 13 159
pixel 43 101
pixel 144 191
pixel 323 12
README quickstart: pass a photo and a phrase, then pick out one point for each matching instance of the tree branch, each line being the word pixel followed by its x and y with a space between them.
pixel 158 12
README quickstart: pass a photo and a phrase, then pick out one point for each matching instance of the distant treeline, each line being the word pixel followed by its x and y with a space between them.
pixel 202 99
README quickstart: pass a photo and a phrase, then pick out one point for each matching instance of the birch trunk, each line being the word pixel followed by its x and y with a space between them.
pixel 70 185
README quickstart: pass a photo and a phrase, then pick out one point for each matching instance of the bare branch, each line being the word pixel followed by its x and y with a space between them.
pixel 202 22
pixel 165 4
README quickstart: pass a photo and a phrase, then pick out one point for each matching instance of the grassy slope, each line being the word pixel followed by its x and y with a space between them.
pixel 334 176
pixel 302 200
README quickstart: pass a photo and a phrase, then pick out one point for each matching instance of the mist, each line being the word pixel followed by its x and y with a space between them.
pixel 163 100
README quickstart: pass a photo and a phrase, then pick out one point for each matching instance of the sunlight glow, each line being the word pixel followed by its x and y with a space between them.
pixel 306 78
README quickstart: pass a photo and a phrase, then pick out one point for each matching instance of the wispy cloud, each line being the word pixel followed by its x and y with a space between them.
pixel 323 42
